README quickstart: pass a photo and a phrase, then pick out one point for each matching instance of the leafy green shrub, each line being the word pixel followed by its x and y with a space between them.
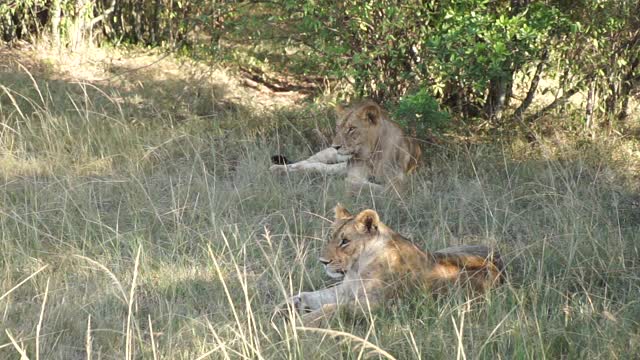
pixel 465 52
pixel 422 112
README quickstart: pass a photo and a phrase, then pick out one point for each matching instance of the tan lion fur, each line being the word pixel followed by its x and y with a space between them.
pixel 375 264
pixel 367 145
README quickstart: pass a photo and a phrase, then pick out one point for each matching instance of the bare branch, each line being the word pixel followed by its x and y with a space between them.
pixel 533 87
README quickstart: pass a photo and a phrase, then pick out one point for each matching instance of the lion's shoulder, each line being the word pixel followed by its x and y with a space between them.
pixel 365 130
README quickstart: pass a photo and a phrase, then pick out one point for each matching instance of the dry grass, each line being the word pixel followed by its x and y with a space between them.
pixel 136 222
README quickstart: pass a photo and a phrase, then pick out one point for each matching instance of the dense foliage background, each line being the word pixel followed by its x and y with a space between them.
pixel 466 54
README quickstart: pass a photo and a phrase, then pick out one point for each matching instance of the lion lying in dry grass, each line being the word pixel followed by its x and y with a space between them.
pixel 374 264
pixel 367 145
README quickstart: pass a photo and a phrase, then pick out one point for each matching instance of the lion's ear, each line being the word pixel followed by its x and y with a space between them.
pixel 368 221
pixel 371 112
pixel 341 213
pixel 339 110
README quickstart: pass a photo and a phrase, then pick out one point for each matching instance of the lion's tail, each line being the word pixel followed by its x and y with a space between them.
pixel 280 160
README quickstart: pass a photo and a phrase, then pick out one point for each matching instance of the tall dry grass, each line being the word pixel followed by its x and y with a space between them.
pixel 126 233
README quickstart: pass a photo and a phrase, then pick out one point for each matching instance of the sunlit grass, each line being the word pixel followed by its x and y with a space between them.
pixel 125 233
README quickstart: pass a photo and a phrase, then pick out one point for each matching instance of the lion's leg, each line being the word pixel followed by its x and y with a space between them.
pixel 360 291
pixel 306 166
pixel 360 183
pixel 327 161
pixel 316 307
pixel 315 300
pixel 310 301
pixel 328 156
pixel 357 179
pixel 397 184
pixel 319 316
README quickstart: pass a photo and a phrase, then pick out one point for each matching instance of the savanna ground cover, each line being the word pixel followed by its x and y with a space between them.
pixel 138 219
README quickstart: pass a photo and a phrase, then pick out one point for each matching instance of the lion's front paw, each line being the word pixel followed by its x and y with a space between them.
pixel 319 317
pixel 295 302
pixel 278 169
pixel 292 304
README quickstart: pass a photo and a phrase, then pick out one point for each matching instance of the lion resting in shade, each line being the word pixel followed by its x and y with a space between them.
pixel 367 146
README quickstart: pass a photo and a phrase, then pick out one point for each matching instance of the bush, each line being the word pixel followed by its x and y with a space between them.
pixel 422 112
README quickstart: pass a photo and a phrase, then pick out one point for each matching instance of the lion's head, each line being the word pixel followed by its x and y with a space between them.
pixel 348 239
pixel 357 129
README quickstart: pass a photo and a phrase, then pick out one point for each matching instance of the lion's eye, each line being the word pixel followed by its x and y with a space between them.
pixel 351 129
pixel 344 242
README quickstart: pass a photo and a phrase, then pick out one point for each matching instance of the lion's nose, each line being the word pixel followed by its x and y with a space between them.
pixel 337 147
pixel 324 261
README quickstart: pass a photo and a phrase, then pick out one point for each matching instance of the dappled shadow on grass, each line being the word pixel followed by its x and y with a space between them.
pixel 133 118
pixel 54 120
pixel 139 88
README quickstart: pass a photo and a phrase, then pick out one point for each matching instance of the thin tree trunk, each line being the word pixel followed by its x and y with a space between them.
pixel 501 87
pixel 103 17
pixel 612 98
pixel 156 23
pixel 589 109
pixel 496 99
pixel 55 23
pixel 628 83
pixel 78 28
pixel 137 9
pixel 172 36
pixel 533 87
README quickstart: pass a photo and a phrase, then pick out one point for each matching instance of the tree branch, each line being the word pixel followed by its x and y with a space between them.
pixel 279 85
pixel 104 14
pixel 561 100
pixel 533 87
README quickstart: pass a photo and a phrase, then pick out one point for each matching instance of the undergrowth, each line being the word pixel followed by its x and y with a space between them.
pixel 128 233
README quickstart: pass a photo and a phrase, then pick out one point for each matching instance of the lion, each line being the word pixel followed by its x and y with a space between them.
pixel 375 264
pixel 367 146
